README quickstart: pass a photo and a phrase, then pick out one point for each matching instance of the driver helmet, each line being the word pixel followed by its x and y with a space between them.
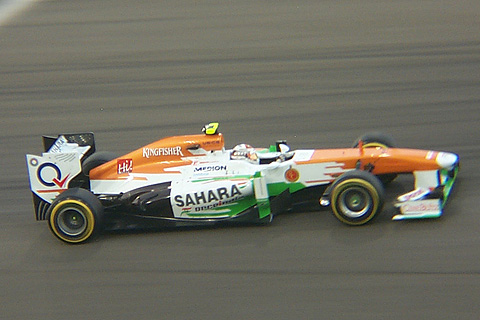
pixel 244 151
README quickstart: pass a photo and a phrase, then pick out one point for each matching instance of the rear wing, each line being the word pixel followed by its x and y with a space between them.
pixel 54 144
pixel 58 168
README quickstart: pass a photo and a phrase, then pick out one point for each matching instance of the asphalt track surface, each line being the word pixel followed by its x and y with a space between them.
pixel 317 73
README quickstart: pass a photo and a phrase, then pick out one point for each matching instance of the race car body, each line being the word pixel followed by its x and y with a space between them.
pixel 193 179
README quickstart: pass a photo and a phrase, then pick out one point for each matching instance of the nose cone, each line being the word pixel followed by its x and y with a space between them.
pixel 447 160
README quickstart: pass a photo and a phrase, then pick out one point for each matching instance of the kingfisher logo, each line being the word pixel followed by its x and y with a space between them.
pixel 157 152
pixel 49 175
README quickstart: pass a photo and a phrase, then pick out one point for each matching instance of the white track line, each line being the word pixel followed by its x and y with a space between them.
pixel 9 8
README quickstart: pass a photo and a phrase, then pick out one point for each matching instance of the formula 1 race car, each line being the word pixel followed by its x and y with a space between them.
pixel 194 180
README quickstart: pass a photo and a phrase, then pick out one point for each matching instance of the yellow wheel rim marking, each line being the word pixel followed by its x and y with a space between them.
pixel 375 145
pixel 90 220
pixel 359 182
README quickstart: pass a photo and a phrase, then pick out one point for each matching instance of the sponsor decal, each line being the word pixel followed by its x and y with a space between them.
pixel 416 207
pixel 210 168
pixel 220 195
pixel 208 198
pixel 292 175
pixel 49 175
pixel 206 143
pixel 57 146
pixel 124 166
pixel 157 152
pixel 34 162
pixel 414 195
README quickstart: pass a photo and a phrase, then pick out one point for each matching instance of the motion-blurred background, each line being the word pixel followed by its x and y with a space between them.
pixel 317 73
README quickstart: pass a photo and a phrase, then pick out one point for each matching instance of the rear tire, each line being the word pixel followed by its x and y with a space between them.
pixel 75 216
pixel 356 198
pixel 97 159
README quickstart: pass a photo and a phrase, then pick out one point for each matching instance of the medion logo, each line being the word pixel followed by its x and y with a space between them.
pixel 156 152
pixel 210 168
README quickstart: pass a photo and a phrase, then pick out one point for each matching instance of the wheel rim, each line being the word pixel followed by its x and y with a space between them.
pixel 355 202
pixel 71 221
pixel 375 145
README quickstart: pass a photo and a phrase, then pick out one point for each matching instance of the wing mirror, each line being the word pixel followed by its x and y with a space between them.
pixel 282 146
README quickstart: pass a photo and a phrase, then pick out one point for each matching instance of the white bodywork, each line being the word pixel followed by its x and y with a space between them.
pixel 50 173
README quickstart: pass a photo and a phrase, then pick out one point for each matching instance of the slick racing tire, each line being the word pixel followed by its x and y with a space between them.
pixel 356 198
pixel 75 216
pixel 375 140
pixel 95 160
pixel 378 140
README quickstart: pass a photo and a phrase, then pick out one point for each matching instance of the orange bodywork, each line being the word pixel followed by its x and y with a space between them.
pixel 383 160
pixel 161 155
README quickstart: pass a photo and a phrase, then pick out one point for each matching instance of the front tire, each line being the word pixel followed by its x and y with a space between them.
pixel 375 140
pixel 75 216
pixel 356 198
pixel 378 140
